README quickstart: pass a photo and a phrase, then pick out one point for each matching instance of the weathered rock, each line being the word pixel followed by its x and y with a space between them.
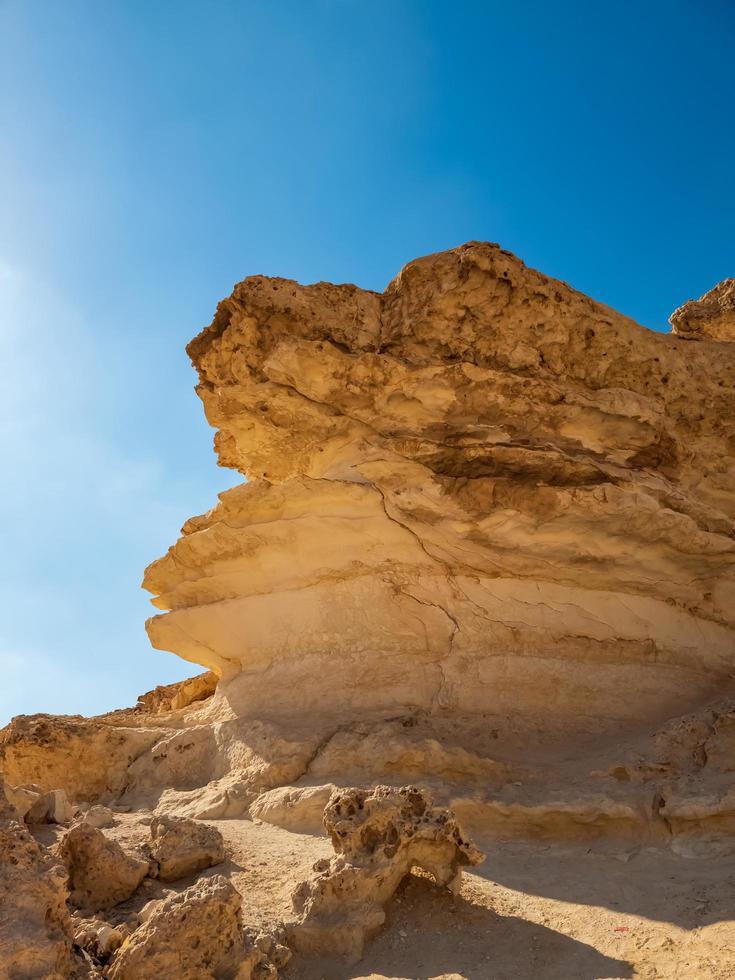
pixel 99 816
pixel 172 697
pixel 507 500
pixel 379 837
pixel 51 807
pixel 88 758
pixel 514 518
pixel 198 935
pixel 101 873
pixel 179 847
pixel 711 317
pixel 98 938
pixel 296 808
pixel 35 928
pixel 23 798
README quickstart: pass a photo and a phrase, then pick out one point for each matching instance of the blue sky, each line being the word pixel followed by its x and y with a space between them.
pixel 154 153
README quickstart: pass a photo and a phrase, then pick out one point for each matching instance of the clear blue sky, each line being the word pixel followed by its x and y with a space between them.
pixel 154 152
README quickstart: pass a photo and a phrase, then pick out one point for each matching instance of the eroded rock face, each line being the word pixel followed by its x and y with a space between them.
pixel 198 935
pixel 35 928
pixel 379 837
pixel 101 873
pixel 486 546
pixel 180 847
pixel 479 494
pixel 711 317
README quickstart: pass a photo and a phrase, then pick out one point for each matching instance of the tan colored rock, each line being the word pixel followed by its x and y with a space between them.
pixel 88 758
pixel 380 837
pixel 35 928
pixel 198 935
pixel 711 317
pixel 98 938
pixel 51 807
pixel 507 500
pixel 99 816
pixel 23 798
pixel 101 873
pixel 512 511
pixel 173 697
pixel 296 808
pixel 179 847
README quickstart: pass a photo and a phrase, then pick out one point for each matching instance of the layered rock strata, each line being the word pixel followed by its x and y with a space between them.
pixel 478 495
pixel 485 545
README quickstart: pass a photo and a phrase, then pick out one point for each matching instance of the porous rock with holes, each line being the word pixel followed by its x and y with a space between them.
pixel 380 837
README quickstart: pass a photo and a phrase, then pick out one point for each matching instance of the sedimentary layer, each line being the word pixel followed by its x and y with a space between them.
pixel 480 494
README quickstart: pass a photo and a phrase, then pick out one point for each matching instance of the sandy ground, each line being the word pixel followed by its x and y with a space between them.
pixel 531 912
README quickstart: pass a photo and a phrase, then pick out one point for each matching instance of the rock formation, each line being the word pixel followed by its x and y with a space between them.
pixel 486 546
pixel 198 935
pixel 181 847
pixel 101 874
pixel 711 317
pixel 35 927
pixel 478 494
pixel 379 837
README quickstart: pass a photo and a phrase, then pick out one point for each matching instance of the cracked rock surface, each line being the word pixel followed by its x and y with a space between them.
pixel 711 317
pixel 480 492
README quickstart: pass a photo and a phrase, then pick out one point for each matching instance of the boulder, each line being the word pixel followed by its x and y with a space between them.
pixel 23 799
pixel 98 938
pixel 50 807
pixel 99 816
pixel 101 873
pixel 179 847
pixel 198 935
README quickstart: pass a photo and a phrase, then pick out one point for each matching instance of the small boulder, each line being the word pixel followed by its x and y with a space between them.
pixel 198 935
pixel 180 847
pixel 99 816
pixel 51 807
pixel 98 938
pixel 101 874
pixel 22 798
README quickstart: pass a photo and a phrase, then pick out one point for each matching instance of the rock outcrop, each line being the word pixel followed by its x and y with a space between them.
pixel 488 523
pixel 487 545
pixel 711 317
pixel 480 493
pixel 379 837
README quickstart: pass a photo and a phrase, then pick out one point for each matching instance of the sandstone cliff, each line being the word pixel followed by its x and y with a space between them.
pixel 485 546
pixel 479 494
